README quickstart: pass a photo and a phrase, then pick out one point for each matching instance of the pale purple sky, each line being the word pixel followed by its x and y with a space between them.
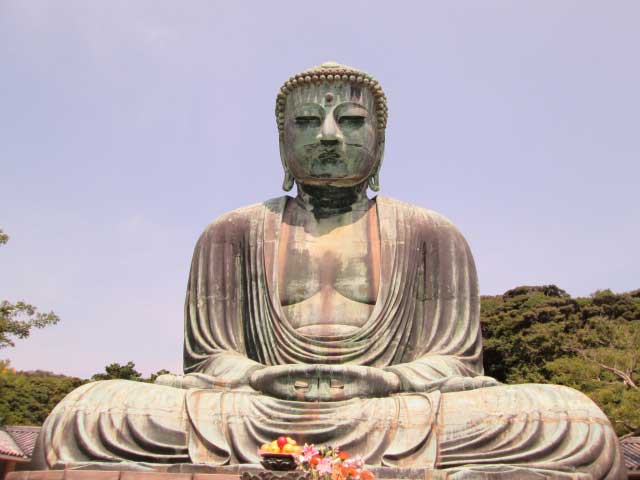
pixel 126 127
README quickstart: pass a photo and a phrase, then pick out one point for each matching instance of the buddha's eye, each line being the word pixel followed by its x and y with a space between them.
pixel 308 121
pixel 353 121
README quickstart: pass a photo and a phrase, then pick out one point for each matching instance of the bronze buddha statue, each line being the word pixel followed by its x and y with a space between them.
pixel 334 318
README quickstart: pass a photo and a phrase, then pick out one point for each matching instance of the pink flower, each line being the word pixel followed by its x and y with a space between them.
pixel 325 466
pixel 309 451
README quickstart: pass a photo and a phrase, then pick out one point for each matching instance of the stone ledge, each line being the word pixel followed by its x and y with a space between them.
pixel 206 472
pixel 115 475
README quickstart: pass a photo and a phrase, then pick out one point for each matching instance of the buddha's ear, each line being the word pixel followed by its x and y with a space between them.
pixel 287 183
pixel 374 179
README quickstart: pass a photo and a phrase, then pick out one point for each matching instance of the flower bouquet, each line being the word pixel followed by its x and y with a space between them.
pixel 329 463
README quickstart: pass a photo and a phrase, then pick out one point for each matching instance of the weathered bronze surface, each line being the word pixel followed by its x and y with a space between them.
pixel 334 318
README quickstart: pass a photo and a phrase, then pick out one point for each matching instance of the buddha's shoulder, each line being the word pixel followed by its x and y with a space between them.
pixel 418 215
pixel 236 223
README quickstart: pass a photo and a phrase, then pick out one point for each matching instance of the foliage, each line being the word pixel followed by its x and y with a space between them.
pixel 126 372
pixel 17 319
pixel 542 335
pixel 153 376
pixel 117 371
pixel 26 398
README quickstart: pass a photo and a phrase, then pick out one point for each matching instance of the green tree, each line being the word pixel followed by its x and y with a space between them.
pixel 17 319
pixel 117 371
pixel 542 335
pixel 153 376
pixel 126 372
pixel 27 398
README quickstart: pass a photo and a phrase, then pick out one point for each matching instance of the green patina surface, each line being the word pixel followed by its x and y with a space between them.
pixel 335 318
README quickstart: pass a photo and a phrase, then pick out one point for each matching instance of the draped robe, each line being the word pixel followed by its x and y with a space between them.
pixel 424 327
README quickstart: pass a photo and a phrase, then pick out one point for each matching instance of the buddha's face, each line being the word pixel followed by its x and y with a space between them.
pixel 331 135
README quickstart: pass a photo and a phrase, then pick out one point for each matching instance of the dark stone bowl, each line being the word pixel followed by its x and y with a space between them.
pixel 278 461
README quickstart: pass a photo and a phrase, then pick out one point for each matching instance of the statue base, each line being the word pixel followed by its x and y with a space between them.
pixel 256 472
pixel 206 472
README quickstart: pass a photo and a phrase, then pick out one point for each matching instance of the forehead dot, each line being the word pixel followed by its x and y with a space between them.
pixel 328 97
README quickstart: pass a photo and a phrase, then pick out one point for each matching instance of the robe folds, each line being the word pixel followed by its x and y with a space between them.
pixel 424 327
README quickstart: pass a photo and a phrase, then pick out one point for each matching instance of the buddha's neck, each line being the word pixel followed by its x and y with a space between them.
pixel 325 201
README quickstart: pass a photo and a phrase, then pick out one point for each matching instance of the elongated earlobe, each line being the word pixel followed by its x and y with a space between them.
pixel 287 183
pixel 374 182
pixel 374 179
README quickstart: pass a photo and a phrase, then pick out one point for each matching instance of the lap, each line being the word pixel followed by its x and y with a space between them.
pixel 542 427
pixel 546 427
pixel 513 401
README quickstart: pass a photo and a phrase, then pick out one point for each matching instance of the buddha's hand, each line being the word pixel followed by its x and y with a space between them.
pixel 325 383
pixel 195 380
pixel 459 384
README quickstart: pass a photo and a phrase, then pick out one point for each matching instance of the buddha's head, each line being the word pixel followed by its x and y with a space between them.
pixel 331 120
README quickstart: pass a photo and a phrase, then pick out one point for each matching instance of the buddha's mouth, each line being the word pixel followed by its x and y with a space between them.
pixel 328 167
pixel 325 153
pixel 329 155
pixel 326 175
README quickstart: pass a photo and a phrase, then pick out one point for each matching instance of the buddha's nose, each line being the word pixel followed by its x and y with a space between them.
pixel 329 133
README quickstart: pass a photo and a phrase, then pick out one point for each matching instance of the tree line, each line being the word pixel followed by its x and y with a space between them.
pixel 542 335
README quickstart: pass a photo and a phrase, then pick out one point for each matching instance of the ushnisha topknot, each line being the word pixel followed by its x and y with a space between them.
pixel 333 72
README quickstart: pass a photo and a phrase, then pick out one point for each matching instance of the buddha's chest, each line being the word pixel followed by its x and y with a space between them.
pixel 329 279
pixel 340 264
